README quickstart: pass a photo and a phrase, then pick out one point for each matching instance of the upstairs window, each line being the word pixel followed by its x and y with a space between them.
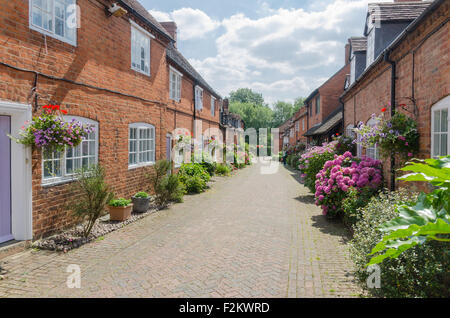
pixel 140 49
pixel 297 126
pixel 56 18
pixel 303 124
pixel 317 104
pixel 440 127
pixel 198 98
pixel 141 145
pixel 175 84
pixel 213 106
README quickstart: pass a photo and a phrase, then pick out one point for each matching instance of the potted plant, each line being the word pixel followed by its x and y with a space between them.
pixel 120 209
pixel 141 202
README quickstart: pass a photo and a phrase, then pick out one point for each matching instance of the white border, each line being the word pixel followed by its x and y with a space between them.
pixel 21 186
pixel 141 164
pixel 442 104
pixel 70 177
pixel 46 32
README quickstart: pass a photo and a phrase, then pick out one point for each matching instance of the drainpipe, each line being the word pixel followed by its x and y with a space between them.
pixel 393 78
pixel 343 115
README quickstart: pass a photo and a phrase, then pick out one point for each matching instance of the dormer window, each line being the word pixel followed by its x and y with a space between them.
pixel 353 69
pixel 317 104
pixel 370 47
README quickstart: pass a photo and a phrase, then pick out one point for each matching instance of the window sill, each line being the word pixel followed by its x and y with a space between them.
pixel 140 71
pixel 57 181
pixel 141 165
pixel 52 35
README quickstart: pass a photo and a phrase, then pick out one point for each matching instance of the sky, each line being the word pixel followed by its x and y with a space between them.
pixel 283 49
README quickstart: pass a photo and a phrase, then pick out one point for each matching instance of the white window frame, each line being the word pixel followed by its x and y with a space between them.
pixel 140 31
pixel 198 98
pixel 65 177
pixel 139 127
pixel 349 132
pixel 213 106
pixel 440 106
pixel 303 124
pixel 175 86
pixel 372 152
pixel 297 126
pixel 370 54
pixel 52 32
pixel 352 69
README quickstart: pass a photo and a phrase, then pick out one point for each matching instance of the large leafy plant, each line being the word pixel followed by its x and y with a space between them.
pixel 427 219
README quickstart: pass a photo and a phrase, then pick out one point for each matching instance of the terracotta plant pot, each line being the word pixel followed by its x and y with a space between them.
pixel 141 205
pixel 120 213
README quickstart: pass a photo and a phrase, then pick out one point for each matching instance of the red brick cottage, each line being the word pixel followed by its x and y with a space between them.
pixel 411 67
pixel 112 72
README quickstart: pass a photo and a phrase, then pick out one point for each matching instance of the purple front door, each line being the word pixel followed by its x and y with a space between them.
pixel 5 179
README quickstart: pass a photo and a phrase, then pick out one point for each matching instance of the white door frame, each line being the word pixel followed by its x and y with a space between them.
pixel 21 186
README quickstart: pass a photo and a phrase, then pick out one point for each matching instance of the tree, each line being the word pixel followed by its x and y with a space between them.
pixel 299 103
pixel 254 116
pixel 246 95
pixel 282 112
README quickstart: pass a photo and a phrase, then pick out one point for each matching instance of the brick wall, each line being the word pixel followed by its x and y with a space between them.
pixel 427 48
pixel 100 59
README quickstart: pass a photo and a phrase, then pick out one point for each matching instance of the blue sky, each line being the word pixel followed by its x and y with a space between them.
pixel 281 48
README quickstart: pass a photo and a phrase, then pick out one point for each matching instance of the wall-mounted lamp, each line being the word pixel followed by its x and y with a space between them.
pixel 117 10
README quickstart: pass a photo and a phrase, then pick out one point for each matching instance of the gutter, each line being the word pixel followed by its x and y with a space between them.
pixel 145 20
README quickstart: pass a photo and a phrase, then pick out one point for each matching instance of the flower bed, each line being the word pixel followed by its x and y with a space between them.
pixel 311 162
pixel 343 174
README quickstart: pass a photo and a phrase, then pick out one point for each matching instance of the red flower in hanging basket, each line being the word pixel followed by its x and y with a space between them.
pixel 64 111
pixel 383 110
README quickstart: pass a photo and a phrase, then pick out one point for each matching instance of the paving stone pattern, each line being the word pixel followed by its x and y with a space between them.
pixel 250 235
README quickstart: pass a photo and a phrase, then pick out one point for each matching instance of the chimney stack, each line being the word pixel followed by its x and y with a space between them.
pixel 347 53
pixel 171 28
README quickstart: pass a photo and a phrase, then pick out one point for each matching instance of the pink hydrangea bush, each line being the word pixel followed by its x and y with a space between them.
pixel 312 161
pixel 342 174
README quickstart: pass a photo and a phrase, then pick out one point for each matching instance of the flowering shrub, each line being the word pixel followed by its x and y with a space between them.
pixel 312 161
pixel 51 131
pixel 397 135
pixel 340 175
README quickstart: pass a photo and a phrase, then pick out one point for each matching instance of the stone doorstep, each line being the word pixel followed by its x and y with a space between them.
pixel 13 247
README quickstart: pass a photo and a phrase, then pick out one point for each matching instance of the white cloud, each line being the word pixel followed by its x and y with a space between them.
pixel 192 23
pixel 284 53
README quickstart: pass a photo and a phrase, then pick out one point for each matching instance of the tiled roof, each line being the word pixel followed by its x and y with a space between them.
pixel 396 11
pixel 358 44
pixel 136 6
pixel 329 123
pixel 175 56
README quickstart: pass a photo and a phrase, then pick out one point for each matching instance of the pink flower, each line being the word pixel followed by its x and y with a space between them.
pixel 410 154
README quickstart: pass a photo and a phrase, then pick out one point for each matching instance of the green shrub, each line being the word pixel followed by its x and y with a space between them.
pixel 355 200
pixel 223 170
pixel 194 184
pixel 94 196
pixel 170 189
pixel 119 202
pixel 421 271
pixel 142 195
pixel 194 176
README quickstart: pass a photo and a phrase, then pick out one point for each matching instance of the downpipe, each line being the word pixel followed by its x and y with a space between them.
pixel 393 80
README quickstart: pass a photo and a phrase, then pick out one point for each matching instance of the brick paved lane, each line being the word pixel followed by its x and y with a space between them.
pixel 251 235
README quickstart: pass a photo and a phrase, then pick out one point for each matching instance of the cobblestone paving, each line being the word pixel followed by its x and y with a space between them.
pixel 251 235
